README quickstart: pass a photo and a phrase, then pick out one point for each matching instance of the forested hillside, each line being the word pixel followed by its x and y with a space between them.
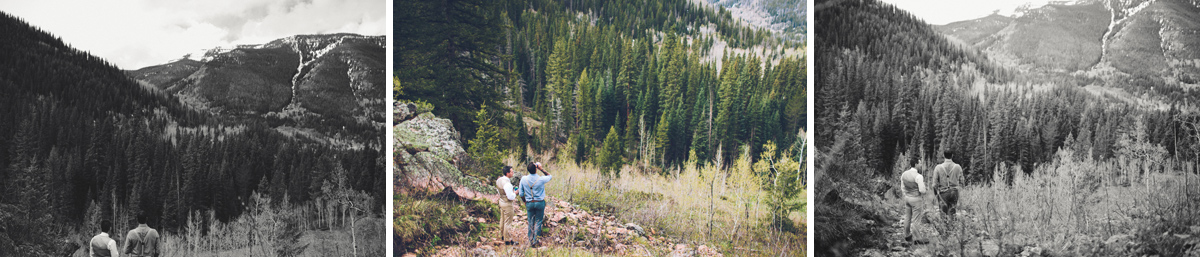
pixel 83 142
pixel 891 89
pixel 624 98
pixel 1137 45
pixel 581 68
pixel 789 18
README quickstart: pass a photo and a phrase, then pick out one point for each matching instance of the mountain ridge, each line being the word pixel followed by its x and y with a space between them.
pixel 327 82
pixel 1155 38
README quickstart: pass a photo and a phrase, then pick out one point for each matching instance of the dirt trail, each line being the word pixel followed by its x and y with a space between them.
pixel 934 233
pixel 573 230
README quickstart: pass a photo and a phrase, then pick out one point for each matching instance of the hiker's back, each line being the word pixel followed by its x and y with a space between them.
pixel 100 245
pixel 912 183
pixel 949 175
pixel 142 241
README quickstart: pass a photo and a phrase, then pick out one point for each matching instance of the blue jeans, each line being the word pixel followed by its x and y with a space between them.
pixel 536 212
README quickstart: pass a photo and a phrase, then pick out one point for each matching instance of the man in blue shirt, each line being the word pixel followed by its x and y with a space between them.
pixel 533 190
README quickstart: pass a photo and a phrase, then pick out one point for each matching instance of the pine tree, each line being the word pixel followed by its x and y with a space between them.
pixel 485 147
pixel 559 85
pixel 610 155
pixel 662 138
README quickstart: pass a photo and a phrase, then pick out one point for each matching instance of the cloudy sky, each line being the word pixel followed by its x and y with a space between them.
pixel 947 11
pixel 138 33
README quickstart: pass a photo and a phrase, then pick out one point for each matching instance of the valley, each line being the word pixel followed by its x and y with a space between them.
pixel 1074 135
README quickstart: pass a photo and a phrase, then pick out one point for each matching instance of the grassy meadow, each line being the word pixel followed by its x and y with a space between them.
pixel 311 229
pixel 724 208
pixel 1073 206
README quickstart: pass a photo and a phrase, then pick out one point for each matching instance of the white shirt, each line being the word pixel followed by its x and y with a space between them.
pixel 912 183
pixel 103 242
pixel 505 186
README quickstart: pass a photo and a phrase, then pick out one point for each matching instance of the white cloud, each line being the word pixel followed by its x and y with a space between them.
pixel 138 33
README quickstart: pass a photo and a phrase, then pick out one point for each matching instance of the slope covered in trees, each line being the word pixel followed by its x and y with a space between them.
pixel 891 89
pixel 601 88
pixel 645 69
pixel 83 142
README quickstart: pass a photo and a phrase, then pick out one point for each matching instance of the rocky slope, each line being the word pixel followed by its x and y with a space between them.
pixel 332 84
pixel 573 229
pixel 787 17
pixel 973 32
pixel 1135 37
pixel 427 154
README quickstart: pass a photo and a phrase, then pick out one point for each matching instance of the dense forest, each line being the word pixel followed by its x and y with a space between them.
pixel 893 86
pixel 84 142
pixel 641 74
pixel 891 89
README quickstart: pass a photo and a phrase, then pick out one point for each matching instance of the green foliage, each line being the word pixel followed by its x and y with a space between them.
pixel 610 154
pixel 397 88
pixel 485 147
pixel 781 178
pixel 422 221
pixel 422 106
pixel 581 76
pixel 450 47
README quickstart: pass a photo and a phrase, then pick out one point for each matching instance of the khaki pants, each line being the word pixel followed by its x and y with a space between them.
pixel 508 209
pixel 913 202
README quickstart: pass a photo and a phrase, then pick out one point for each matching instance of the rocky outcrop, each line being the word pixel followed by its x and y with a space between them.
pixel 569 226
pixel 427 154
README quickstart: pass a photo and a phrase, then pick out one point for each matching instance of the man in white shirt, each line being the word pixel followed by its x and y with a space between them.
pixel 508 206
pixel 102 245
pixel 913 186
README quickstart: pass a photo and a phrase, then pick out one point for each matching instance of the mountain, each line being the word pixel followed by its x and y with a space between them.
pixel 1135 37
pixel 1159 38
pixel 1054 37
pixel 81 140
pixel 299 81
pixel 972 32
pixel 787 17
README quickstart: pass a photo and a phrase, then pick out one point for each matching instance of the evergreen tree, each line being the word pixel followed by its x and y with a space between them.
pixel 610 155
pixel 485 147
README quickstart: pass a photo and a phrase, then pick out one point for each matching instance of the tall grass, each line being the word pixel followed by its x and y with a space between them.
pixel 1073 205
pixel 695 204
pixel 318 228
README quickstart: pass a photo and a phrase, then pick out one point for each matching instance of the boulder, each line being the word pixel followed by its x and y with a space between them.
pixel 557 216
pixel 402 111
pixel 703 250
pixel 635 228
pixel 427 155
pixel 682 250
pixel 483 252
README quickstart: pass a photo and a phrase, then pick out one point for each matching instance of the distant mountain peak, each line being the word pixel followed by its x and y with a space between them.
pixel 325 82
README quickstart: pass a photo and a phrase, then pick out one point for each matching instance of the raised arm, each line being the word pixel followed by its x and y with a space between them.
pixel 539 167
